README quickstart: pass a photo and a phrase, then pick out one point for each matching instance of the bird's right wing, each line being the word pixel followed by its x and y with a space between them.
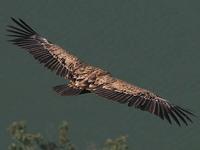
pixel 52 56
pixel 123 92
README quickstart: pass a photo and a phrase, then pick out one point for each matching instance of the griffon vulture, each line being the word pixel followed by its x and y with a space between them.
pixel 85 78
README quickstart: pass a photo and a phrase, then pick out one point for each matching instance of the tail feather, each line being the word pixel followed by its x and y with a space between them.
pixel 66 90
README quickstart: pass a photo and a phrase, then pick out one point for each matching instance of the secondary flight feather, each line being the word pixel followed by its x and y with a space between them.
pixel 85 78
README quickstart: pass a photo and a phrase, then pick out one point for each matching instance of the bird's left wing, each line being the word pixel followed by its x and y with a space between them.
pixel 123 92
pixel 52 56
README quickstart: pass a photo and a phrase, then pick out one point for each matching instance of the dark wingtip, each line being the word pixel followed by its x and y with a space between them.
pixel 12 18
pixel 21 26
pixel 173 113
pixel 187 111
pixel 184 114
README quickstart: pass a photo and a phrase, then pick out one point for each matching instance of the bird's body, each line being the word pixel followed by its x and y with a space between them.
pixel 85 78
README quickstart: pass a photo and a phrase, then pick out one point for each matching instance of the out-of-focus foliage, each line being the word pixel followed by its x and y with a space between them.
pixel 119 143
pixel 23 140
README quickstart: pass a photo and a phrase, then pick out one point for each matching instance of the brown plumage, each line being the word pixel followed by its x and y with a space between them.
pixel 85 78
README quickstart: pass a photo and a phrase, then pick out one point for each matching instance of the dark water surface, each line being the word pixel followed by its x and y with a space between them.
pixel 154 44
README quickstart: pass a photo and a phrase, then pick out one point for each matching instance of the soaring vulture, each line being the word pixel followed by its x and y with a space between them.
pixel 85 78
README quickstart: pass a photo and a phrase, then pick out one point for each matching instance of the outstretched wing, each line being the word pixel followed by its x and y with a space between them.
pixel 122 92
pixel 52 56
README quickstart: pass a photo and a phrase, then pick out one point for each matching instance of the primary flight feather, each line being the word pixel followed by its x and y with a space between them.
pixel 85 78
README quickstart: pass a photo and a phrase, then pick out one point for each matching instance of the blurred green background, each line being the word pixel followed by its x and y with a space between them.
pixel 153 44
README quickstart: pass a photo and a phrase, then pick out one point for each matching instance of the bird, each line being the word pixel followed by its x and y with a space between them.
pixel 85 78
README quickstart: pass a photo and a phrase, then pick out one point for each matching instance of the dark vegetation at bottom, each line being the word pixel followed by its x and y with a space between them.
pixel 25 140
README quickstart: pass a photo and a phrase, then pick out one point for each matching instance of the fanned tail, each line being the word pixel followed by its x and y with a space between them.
pixel 66 90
